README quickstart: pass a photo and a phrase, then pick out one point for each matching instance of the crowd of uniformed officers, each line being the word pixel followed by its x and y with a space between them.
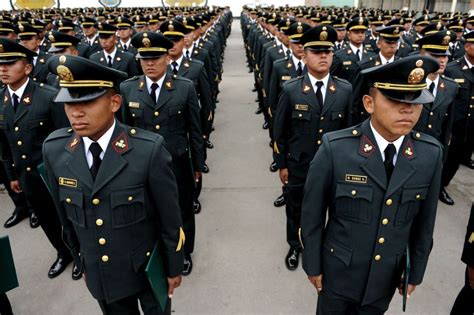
pixel 370 114
pixel 106 117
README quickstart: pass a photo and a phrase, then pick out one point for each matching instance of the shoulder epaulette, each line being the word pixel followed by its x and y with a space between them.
pixel 425 138
pixel 59 134
pixel 353 132
pixel 132 79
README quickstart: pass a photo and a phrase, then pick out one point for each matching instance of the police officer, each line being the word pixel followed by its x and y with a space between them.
pixel 283 70
pixel 463 303
pixel 436 118
pixel 380 200
pixel 125 32
pixel 462 141
pixel 346 61
pixel 168 105
pixel 114 189
pixel 29 37
pixel 110 55
pixel 91 36
pixel 67 27
pixel 309 106
pixel 28 116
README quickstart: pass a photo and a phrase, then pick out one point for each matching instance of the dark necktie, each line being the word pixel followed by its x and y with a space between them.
pixel 15 102
pixel 299 71
pixel 432 87
pixel 358 54
pixel 175 67
pixel 187 53
pixel 389 154
pixel 110 61
pixel 338 46
pixel 96 150
pixel 154 87
pixel 125 47
pixel 288 53
pixel 319 94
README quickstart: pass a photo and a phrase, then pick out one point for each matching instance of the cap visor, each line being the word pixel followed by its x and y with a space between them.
pixel 66 95
pixel 409 97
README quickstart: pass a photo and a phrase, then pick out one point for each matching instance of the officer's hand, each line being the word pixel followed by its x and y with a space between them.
pixel 197 176
pixel 173 283
pixel 284 176
pixel 411 288
pixel 470 276
pixel 15 186
pixel 317 281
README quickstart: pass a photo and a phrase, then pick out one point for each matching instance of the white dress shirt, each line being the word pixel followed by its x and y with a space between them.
pixel 103 142
pixel 384 61
pixel 178 61
pixel 295 62
pixel 436 81
pixel 382 144
pixel 323 87
pixel 354 50
pixel 470 65
pixel 149 82
pixel 19 92
pixel 112 54
pixel 128 43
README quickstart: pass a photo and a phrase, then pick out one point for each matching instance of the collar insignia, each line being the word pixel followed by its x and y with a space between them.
pixel 367 148
pixel 120 144
pixel 306 88
pixel 332 87
pixel 409 151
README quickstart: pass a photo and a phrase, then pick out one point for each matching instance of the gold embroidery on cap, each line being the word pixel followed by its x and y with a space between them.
pixel 64 73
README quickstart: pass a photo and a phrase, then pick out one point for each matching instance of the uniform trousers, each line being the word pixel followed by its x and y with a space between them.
pixel 129 305
pixel 464 304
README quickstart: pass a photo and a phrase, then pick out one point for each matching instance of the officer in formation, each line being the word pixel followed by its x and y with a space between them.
pixel 380 203
pixel 167 104
pixel 113 210
pixel 28 115
pixel 392 35
pixel 99 33
pixel 463 303
pixel 309 106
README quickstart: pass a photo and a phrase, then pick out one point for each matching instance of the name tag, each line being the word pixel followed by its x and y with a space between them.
pixel 134 105
pixel 301 107
pixel 459 80
pixel 356 178
pixel 67 182
pixel 286 78
pixel 347 63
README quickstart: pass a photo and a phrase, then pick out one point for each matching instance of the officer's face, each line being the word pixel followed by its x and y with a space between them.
pixel 154 68
pixel 357 36
pixel 188 39
pixel 32 43
pixel 15 73
pixel 297 49
pixel 387 49
pixel 341 34
pixel 390 118
pixel 318 62
pixel 108 43
pixel 469 49
pixel 153 27
pixel 443 60
pixel 92 119
pixel 177 49
pixel 125 33
pixel 89 30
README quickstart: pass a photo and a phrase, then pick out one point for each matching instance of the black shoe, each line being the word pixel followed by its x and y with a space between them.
pixel 76 271
pixel 188 265
pixel 469 164
pixel 265 125
pixel 196 206
pixel 213 128
pixel 273 167
pixel 292 258
pixel 271 144
pixel 34 221
pixel 445 197
pixel 58 266
pixel 280 201
pixel 205 168
pixel 14 220
pixel 209 144
pixel 259 110
pixel 254 90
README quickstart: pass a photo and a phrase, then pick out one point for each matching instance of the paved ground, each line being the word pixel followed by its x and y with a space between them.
pixel 240 246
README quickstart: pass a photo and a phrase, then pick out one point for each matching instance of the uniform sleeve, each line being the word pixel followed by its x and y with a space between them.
pixel 281 129
pixel 125 115
pixel 59 117
pixel 164 195
pixel 421 236
pixel 7 157
pixel 194 130
pixel 132 68
pixel 468 252
pixel 447 127
pixel 272 99
pixel 315 203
